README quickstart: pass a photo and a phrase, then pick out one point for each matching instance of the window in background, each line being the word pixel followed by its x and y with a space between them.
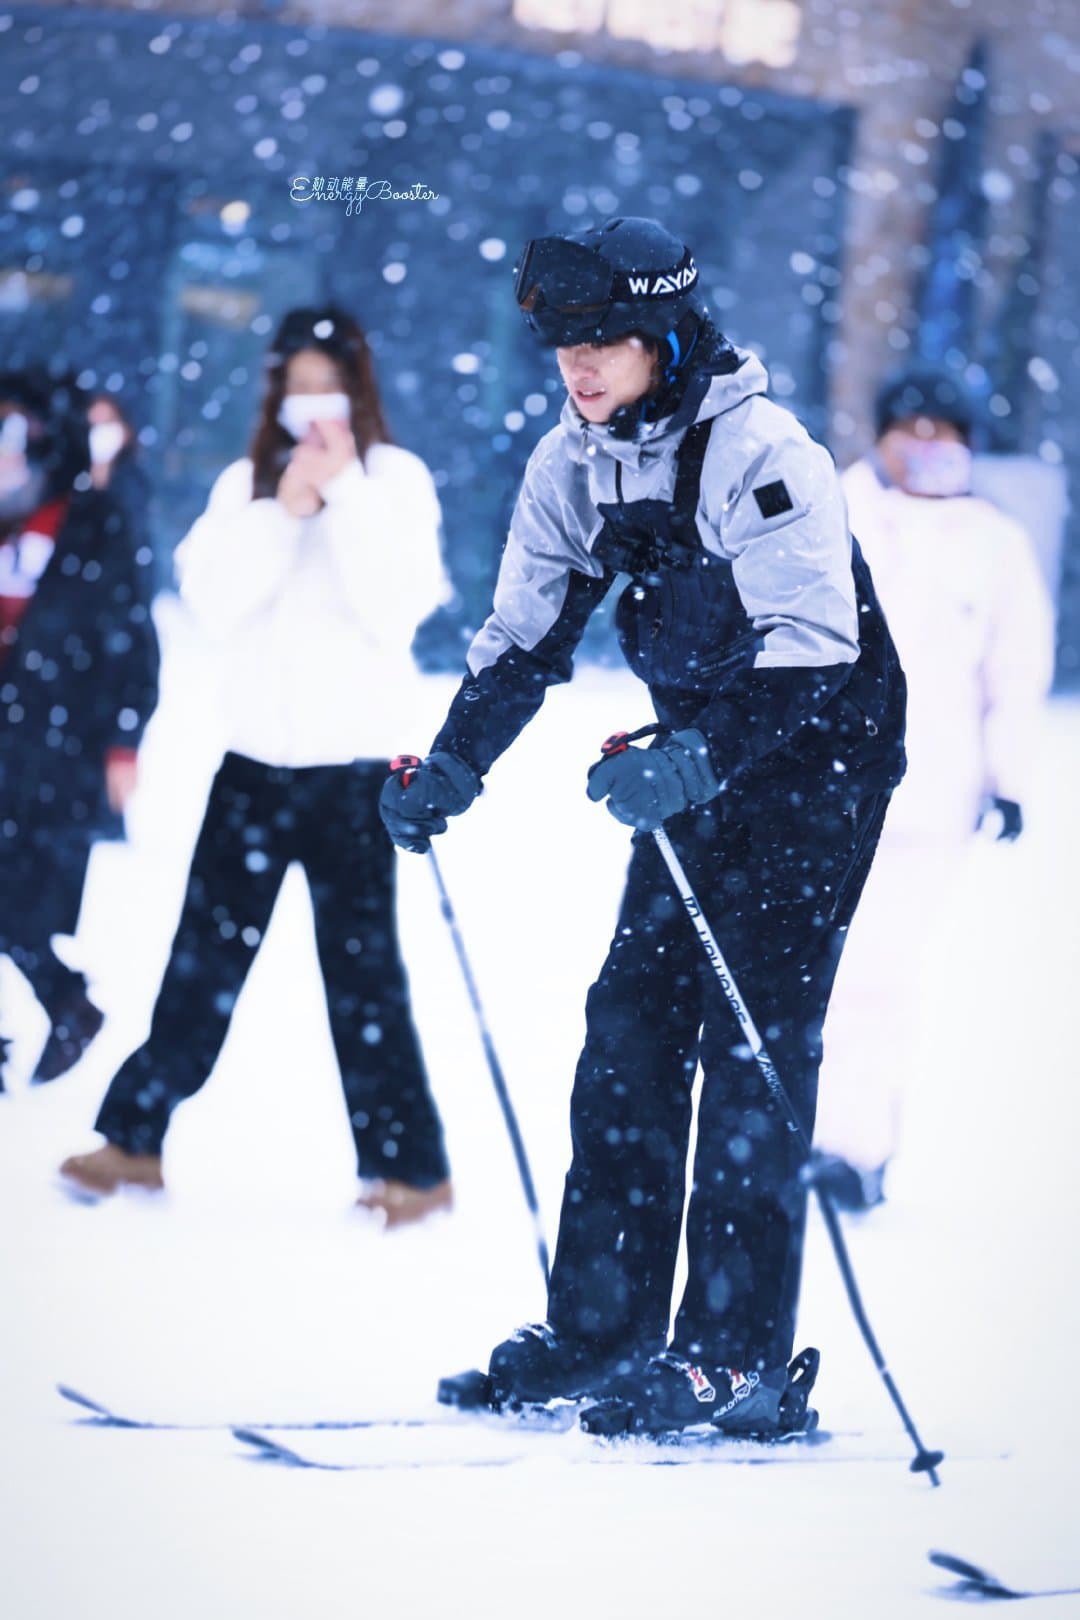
pixel 743 31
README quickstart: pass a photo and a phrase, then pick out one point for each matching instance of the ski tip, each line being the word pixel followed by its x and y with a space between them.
pixel 252 1437
pixel 260 1442
pixel 78 1399
pixel 266 1449
pixel 974 1582
pixel 271 1450
pixel 957 1566
pixel 95 1408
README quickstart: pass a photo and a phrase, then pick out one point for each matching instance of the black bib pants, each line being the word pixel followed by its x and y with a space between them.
pixel 778 885
pixel 259 819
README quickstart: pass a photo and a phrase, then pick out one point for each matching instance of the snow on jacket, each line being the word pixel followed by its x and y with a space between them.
pixel 314 616
pixel 973 623
pixel 782 610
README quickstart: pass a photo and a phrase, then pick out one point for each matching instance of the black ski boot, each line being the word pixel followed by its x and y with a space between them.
pixel 536 1365
pixel 5 1052
pixel 75 1022
pixel 672 1394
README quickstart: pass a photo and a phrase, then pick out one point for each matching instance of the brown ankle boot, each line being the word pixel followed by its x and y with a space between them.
pixel 399 1204
pixel 110 1168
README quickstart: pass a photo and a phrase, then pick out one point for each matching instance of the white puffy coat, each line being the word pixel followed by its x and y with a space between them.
pixel 313 617
pixel 973 624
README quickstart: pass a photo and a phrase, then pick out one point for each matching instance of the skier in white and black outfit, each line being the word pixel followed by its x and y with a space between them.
pixel 752 618
pixel 311 567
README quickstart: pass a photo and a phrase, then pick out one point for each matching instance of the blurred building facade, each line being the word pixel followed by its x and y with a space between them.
pixel 862 182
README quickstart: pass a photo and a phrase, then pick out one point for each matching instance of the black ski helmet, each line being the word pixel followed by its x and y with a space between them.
pixel 59 434
pixel 606 281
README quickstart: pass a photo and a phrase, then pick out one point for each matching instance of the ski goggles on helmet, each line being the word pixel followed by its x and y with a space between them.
pixel 563 277
pixel 571 293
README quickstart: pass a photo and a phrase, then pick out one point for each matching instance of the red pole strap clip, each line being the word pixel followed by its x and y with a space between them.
pixel 620 741
pixel 405 766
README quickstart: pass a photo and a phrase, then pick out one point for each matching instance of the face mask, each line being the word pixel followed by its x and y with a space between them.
pixel 14 470
pixel 935 466
pixel 13 434
pixel 106 440
pixel 19 497
pixel 298 411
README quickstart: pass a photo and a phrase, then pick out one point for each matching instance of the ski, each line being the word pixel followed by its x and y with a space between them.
pixel 576 1449
pixel 974 1582
pixel 268 1449
pixel 555 1418
pixel 492 1426
pixel 106 1417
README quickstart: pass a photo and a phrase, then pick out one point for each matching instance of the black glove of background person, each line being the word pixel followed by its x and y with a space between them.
pixel 441 785
pixel 1011 823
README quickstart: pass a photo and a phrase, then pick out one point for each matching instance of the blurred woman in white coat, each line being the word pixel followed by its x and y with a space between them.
pixel 973 623
pixel 315 560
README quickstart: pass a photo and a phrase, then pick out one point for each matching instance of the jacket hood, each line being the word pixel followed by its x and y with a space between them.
pixel 707 395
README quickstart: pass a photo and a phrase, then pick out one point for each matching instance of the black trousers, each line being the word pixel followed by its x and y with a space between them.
pixel 778 884
pixel 259 819
pixel 42 872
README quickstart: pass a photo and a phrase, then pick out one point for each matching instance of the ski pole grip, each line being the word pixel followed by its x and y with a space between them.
pixel 405 766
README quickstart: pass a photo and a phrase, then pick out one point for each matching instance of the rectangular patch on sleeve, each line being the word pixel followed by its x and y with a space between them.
pixel 773 499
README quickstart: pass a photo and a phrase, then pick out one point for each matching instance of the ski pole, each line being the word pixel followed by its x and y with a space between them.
pixel 404 766
pixel 528 1186
pixel 924 1461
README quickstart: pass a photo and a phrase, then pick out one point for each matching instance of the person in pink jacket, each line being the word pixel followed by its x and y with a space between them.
pixel 973 623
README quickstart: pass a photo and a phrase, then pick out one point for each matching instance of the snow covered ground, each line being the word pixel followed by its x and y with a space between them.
pixel 253 1291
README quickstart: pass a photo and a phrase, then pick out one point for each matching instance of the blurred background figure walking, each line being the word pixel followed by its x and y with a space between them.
pixel 78 681
pixel 114 460
pixel 973 624
pixel 315 560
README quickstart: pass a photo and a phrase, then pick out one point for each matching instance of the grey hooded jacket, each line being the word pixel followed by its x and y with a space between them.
pixel 780 609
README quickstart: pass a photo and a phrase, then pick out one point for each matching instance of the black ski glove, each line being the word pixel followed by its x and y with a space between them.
pixel 1011 823
pixel 419 794
pixel 644 786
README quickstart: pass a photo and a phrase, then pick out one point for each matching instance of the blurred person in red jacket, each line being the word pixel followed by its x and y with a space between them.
pixel 78 681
